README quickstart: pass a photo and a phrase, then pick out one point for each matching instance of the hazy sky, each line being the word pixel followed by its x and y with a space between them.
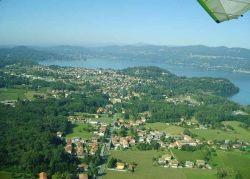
pixel 81 22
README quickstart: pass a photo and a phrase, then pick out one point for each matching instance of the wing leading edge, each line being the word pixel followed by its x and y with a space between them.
pixel 224 10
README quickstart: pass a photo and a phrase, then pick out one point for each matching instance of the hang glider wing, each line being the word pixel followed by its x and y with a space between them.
pixel 224 10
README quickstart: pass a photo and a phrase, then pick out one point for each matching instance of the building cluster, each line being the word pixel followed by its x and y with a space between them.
pixel 187 140
pixel 147 136
pixel 229 144
pixel 123 142
pixel 119 123
pixel 76 146
pixel 188 100
pixel 168 160
pixel 82 147
pixel 111 82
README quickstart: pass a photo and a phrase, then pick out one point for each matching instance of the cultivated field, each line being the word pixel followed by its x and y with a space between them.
pixel 146 170
pixel 14 94
pixel 78 131
pixel 171 129
pixel 5 175
pixel 211 134
pixel 186 155
pixel 233 162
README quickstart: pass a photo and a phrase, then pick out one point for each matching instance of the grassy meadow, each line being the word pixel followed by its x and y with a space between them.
pixel 233 161
pixel 14 94
pixel 163 127
pixel 146 170
pixel 5 175
pixel 77 130
pixel 188 155
pixel 211 134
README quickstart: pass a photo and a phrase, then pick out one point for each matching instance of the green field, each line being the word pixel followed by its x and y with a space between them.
pixel 171 129
pixel 208 134
pixel 5 175
pixel 233 161
pixel 77 131
pixel 146 170
pixel 14 94
pixel 104 117
pixel 186 155
pixel 211 134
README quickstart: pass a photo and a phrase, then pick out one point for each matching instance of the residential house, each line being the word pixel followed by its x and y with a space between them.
pixel 42 175
pixel 59 134
pixel 173 163
pixel 200 163
pixel 79 149
pixel 93 148
pixel 224 147
pixel 161 161
pixel 124 142
pixel 83 176
pixel 189 164
pixel 120 166
pixel 167 157
pixel 69 146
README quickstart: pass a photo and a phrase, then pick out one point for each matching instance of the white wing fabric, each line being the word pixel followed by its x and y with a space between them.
pixel 224 10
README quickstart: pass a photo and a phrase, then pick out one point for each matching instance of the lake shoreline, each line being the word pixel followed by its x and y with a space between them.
pixel 241 80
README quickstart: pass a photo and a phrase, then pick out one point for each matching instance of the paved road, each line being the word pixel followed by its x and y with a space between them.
pixel 106 147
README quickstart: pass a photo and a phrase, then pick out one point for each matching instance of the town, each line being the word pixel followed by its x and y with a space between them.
pixel 114 124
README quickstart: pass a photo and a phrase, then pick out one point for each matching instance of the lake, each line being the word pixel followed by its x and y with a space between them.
pixel 241 80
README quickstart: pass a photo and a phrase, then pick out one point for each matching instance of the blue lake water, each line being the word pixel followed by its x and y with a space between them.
pixel 241 80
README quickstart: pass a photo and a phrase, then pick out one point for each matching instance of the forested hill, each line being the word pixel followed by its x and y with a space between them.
pixel 180 85
pixel 25 54
pixel 222 58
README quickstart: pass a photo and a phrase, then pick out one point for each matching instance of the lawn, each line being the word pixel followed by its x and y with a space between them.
pixel 77 130
pixel 211 134
pixel 146 170
pixel 30 94
pixel 14 94
pixel 233 161
pixel 5 175
pixel 104 117
pixel 171 129
pixel 186 155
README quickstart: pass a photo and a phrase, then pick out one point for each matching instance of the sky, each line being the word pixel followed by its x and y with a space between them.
pixel 90 22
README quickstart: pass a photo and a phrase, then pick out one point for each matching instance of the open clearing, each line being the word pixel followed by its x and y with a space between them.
pixel 186 155
pixel 78 131
pixel 211 134
pixel 233 161
pixel 14 94
pixel 207 134
pixel 5 175
pixel 146 170
pixel 102 117
pixel 163 127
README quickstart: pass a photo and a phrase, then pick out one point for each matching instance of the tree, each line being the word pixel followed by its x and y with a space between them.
pixel 221 173
pixel 238 175
pixel 112 163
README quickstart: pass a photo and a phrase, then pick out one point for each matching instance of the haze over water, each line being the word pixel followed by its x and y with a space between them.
pixel 241 80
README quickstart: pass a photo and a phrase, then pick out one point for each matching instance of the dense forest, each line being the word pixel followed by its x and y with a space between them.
pixel 28 134
pixel 180 85
pixel 209 107
pixel 21 54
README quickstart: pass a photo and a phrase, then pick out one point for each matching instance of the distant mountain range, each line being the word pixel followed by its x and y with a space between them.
pixel 231 59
